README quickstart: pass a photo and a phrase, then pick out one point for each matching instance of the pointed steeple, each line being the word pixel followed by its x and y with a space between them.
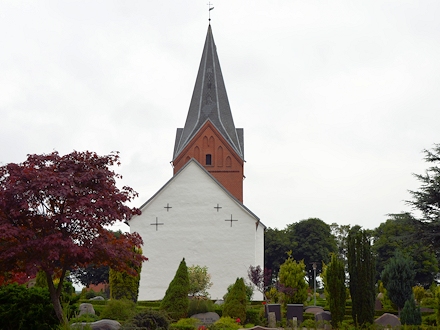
pixel 209 102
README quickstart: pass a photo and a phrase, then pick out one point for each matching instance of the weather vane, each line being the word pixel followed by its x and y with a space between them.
pixel 209 10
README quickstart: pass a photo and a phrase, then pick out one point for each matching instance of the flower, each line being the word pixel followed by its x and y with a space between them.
pixel 238 320
pixel 264 303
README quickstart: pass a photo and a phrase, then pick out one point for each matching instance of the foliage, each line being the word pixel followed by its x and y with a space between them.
pixel 335 282
pixel 419 293
pixel 91 275
pixel 398 279
pixel 361 270
pixel 292 284
pixel 437 304
pixel 249 291
pixel 176 300
pixel 313 244
pixel 235 303
pixel 23 308
pixel 185 324
pixel 276 245
pixel 200 305
pixel 199 280
pixel 260 278
pixel 411 313
pixel 340 233
pixel 124 285
pixel 54 210
pixel 225 323
pixel 148 319
pixel 399 234
pixel 120 310
pixel 84 318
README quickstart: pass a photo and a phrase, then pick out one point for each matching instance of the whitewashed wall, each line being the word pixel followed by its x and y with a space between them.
pixel 193 229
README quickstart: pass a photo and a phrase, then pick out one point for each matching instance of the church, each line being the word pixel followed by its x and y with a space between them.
pixel 199 213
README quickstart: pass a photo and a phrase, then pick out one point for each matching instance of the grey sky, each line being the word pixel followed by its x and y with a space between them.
pixel 337 98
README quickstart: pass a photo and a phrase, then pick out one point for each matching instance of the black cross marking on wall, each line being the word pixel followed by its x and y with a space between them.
pixel 217 207
pixel 168 207
pixel 231 220
pixel 156 224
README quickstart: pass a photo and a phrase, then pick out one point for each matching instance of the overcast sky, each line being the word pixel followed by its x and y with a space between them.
pixel 337 98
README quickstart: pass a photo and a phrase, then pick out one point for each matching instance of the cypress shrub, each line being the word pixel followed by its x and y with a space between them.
pixel 123 285
pixel 235 303
pixel 410 314
pixel 335 282
pixel 176 301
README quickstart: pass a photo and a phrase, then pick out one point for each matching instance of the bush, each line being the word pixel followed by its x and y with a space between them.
pixel 84 318
pixel 410 313
pixel 123 285
pixel 120 310
pixel 309 324
pixel 253 316
pixel 23 308
pixel 176 301
pixel 148 320
pixel 185 324
pixel 224 323
pixel 235 304
pixel 200 305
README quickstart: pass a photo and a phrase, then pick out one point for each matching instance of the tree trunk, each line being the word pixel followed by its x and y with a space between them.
pixel 55 297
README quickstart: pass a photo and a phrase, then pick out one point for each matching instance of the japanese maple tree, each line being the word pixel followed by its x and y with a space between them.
pixel 53 214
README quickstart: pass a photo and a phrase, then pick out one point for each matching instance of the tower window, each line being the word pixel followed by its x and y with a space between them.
pixel 208 159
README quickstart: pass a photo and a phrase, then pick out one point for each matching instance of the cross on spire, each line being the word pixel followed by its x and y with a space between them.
pixel 231 220
pixel 209 10
pixel 156 223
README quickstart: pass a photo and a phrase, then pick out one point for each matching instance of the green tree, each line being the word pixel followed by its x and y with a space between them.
pixel 335 287
pixel 276 245
pixel 176 300
pixel 235 303
pixel 398 279
pixel 340 233
pixel 292 283
pixel 199 280
pixel 123 285
pixel 399 234
pixel 361 269
pixel 313 243
pixel 411 314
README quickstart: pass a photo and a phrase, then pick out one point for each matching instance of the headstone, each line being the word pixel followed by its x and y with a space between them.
pixel 219 302
pixel 295 310
pixel 388 320
pixel 97 298
pixel 206 318
pixel 271 320
pixel 86 308
pixel 314 310
pixel 378 305
pixel 104 324
pixel 323 319
pixel 275 308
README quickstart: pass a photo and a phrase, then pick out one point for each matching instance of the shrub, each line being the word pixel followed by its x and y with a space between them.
pixel 176 299
pixel 84 318
pixel 200 305
pixel 235 304
pixel 23 308
pixel 123 285
pixel 120 310
pixel 253 316
pixel 309 324
pixel 224 323
pixel 148 319
pixel 185 324
pixel 410 313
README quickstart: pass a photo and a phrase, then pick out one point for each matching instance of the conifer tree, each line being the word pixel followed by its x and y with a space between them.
pixel 235 304
pixel 176 301
pixel 411 314
pixel 361 269
pixel 335 282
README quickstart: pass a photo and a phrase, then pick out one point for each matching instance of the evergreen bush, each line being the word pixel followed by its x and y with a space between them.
pixel 148 319
pixel 176 301
pixel 235 303
pixel 123 285
pixel 120 310
pixel 23 308
pixel 410 313
pixel 200 305
pixel 225 323
pixel 185 324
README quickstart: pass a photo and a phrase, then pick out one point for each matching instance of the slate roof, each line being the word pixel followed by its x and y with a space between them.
pixel 209 102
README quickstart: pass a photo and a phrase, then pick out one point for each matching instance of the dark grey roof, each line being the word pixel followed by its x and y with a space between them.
pixel 209 102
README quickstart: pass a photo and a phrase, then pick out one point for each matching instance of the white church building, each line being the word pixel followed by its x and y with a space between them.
pixel 199 213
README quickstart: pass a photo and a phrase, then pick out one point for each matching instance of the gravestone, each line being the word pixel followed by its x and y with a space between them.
pixel 274 308
pixel 97 298
pixel 86 308
pixel 295 310
pixel 314 310
pixel 271 320
pixel 388 320
pixel 206 318
pixel 104 324
pixel 323 319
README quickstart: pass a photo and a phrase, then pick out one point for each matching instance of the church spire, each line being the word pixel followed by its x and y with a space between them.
pixel 209 102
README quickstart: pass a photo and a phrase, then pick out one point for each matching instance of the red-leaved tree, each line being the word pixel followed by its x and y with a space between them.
pixel 53 213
